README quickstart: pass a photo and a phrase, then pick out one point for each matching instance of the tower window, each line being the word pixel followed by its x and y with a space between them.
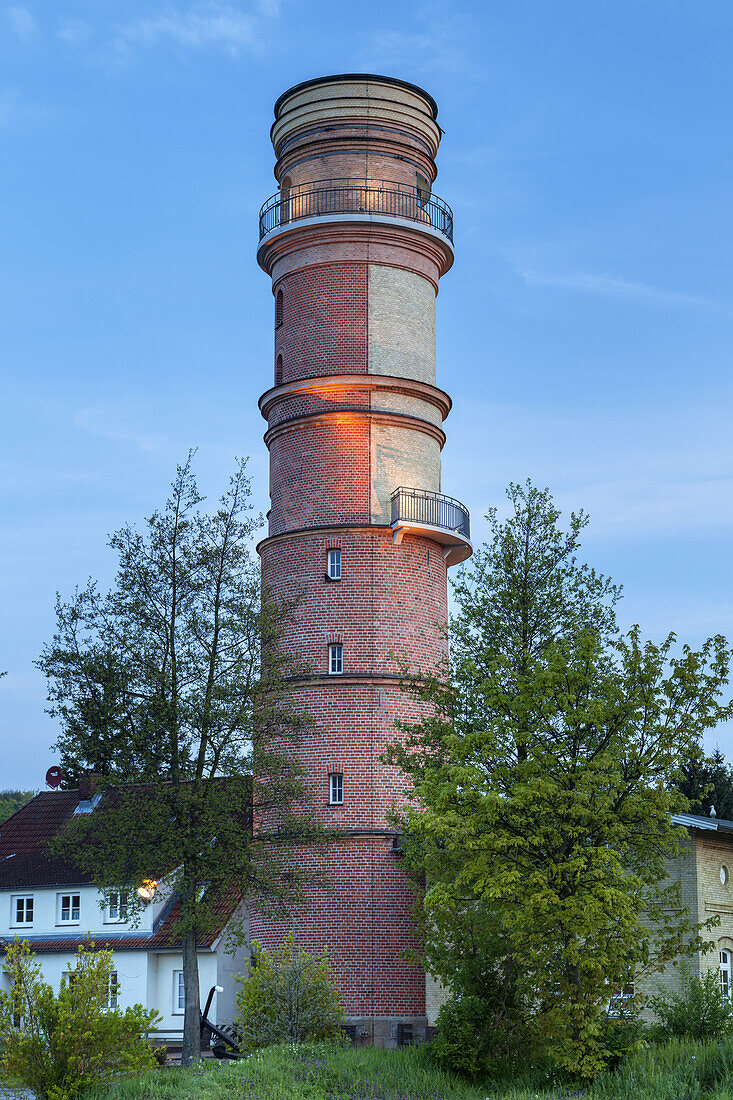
pixel 279 309
pixel 334 565
pixel 279 371
pixel 336 789
pixel 335 659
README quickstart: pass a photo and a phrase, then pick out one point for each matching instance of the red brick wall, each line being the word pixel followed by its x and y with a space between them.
pixel 364 920
pixel 324 329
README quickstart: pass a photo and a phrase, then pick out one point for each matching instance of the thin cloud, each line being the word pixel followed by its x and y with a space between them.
pixel 211 25
pixel 586 282
pixel 74 31
pixel 21 21
pixel 101 422
pixel 441 48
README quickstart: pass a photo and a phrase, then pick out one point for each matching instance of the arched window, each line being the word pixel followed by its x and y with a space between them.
pixel 725 975
pixel 279 371
pixel 335 659
pixel 279 309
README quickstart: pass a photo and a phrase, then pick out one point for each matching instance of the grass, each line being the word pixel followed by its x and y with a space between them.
pixel 673 1071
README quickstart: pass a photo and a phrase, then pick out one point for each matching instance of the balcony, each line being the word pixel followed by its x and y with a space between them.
pixel 335 198
pixel 433 516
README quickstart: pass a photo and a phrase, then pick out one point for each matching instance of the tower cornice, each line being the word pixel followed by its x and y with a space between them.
pixel 409 387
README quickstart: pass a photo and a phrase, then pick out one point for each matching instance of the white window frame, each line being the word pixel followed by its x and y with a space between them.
pixel 333 563
pixel 725 974
pixel 119 906
pixel 25 898
pixel 335 659
pixel 113 997
pixel 336 788
pixel 60 908
pixel 178 994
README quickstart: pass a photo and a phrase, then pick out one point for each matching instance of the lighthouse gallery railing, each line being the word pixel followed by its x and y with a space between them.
pixel 349 197
pixel 432 509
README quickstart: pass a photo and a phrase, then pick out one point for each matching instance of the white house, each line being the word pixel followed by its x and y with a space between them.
pixel 52 904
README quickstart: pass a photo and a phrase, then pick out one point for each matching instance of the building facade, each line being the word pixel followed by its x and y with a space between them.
pixel 52 904
pixel 360 534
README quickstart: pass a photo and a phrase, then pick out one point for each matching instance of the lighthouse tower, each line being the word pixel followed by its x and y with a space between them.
pixel 355 243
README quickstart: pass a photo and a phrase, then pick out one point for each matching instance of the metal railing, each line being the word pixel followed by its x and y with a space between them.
pixel 349 197
pixel 433 509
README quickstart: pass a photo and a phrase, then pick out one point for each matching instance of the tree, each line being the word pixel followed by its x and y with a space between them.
pixel 288 997
pixel 708 783
pixel 61 1045
pixel 11 801
pixel 540 773
pixel 172 688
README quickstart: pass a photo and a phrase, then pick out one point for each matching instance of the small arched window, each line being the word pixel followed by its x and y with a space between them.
pixel 279 371
pixel 278 309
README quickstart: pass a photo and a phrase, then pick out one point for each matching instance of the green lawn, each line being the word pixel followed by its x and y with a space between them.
pixel 676 1071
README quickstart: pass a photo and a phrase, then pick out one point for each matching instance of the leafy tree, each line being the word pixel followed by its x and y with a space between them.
pixel 288 997
pixel 540 773
pixel 172 688
pixel 58 1045
pixel 11 801
pixel 708 782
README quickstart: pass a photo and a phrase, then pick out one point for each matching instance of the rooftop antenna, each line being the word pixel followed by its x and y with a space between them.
pixel 54 775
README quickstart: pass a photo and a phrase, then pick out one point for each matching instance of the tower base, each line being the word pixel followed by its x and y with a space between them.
pixel 388 1032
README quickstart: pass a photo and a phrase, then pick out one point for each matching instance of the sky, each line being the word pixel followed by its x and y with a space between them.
pixel 585 331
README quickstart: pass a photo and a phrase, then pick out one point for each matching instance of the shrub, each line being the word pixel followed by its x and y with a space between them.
pixel 288 997
pixel 479 1039
pixel 697 1012
pixel 59 1045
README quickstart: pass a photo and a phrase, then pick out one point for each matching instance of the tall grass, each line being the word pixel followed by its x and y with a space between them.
pixel 675 1071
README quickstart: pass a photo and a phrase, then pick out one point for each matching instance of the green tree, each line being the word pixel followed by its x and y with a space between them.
pixel 11 801
pixel 288 997
pixel 708 782
pixel 58 1045
pixel 541 778
pixel 173 689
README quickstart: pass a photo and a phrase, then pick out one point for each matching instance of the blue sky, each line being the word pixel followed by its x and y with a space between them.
pixel 585 331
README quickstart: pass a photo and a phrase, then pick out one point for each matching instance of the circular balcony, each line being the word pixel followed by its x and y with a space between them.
pixel 349 198
pixel 434 516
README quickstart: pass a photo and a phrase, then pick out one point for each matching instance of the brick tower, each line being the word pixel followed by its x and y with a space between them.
pixel 355 243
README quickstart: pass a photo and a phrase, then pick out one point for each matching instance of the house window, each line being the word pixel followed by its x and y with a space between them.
pixel 68 908
pixel 725 974
pixel 279 309
pixel 336 788
pixel 22 910
pixel 179 993
pixel 279 371
pixel 335 659
pixel 334 565
pixel 114 990
pixel 117 908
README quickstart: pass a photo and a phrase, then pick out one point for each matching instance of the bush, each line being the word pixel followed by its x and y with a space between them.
pixel 479 1039
pixel 57 1046
pixel 698 1012
pixel 288 997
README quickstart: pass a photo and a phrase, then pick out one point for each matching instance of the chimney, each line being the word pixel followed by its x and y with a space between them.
pixel 88 784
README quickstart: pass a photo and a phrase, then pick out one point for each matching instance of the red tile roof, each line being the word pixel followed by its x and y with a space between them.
pixel 25 861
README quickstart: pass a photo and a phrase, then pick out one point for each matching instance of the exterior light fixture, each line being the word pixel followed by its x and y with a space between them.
pixel 147 891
